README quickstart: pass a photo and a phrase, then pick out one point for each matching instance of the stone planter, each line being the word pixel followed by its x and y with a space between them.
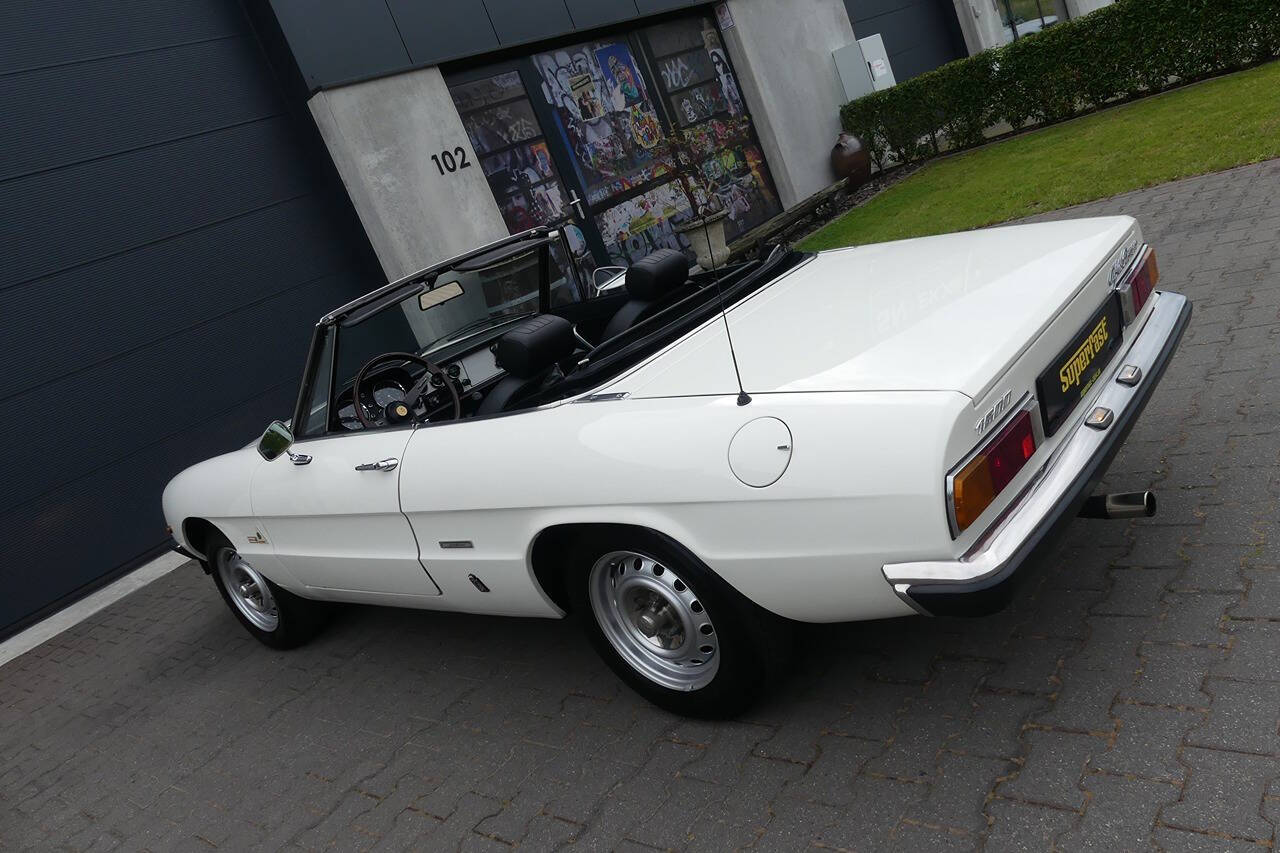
pixel 706 237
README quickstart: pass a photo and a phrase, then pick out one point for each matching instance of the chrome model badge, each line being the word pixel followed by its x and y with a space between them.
pixel 994 413
pixel 1122 260
pixel 257 539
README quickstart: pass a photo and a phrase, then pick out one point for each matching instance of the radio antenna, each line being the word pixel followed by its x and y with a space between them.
pixel 743 397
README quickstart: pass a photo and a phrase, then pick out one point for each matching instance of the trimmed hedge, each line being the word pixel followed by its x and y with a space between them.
pixel 1126 50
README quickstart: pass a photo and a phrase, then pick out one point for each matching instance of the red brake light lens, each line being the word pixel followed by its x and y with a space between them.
pixel 1143 280
pixel 987 474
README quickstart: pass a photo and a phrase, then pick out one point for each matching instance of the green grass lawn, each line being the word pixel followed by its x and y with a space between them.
pixel 1217 124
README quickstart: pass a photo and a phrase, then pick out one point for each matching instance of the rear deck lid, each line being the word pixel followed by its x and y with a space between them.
pixel 950 312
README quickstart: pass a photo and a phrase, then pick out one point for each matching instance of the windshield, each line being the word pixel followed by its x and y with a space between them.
pixel 466 301
pixel 475 298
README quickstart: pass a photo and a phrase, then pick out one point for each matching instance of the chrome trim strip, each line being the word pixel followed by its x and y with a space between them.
pixel 604 398
pixel 1124 286
pixel 999 548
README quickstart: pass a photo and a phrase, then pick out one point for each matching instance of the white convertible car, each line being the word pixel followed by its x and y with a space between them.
pixel 691 462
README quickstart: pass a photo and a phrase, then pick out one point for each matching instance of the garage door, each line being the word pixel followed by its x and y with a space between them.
pixel 919 35
pixel 170 237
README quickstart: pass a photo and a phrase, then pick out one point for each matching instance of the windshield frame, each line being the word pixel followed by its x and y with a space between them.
pixel 536 239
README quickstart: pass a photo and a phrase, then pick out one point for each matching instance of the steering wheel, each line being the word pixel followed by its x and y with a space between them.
pixel 410 398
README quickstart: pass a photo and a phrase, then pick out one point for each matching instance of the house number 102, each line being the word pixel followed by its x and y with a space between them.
pixel 451 161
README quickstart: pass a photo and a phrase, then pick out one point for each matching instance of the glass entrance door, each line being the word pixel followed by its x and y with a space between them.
pixel 594 132
pixel 702 98
pixel 518 164
pixel 601 110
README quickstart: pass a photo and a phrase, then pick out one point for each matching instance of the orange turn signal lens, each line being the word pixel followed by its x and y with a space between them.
pixel 978 483
pixel 973 491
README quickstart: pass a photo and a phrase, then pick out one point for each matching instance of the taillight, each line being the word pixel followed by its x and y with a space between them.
pixel 978 483
pixel 1136 289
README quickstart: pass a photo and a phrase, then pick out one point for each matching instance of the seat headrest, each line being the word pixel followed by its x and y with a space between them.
pixel 657 274
pixel 535 345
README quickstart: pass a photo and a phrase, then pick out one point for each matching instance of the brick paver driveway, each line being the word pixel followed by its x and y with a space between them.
pixel 1128 698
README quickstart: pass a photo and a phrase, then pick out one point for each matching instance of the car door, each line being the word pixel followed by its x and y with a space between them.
pixel 331 512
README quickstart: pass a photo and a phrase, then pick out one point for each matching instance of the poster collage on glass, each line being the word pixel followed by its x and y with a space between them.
pixel 622 152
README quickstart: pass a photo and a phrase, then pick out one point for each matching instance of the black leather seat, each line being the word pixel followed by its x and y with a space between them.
pixel 649 281
pixel 528 353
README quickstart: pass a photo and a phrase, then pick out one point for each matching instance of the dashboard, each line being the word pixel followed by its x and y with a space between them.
pixel 391 384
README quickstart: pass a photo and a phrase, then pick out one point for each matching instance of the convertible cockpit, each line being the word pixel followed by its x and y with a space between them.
pixel 501 329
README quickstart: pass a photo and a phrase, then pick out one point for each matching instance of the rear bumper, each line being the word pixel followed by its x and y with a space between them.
pixel 981 581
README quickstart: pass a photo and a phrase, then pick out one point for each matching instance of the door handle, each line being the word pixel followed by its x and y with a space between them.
pixel 576 203
pixel 381 465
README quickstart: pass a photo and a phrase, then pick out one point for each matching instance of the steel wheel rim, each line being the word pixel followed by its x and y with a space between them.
pixel 248 590
pixel 654 620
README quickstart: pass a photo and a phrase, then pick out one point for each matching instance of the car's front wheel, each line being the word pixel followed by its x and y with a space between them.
pixel 670 628
pixel 275 616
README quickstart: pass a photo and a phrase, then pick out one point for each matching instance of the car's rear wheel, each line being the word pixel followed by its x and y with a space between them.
pixel 670 628
pixel 275 616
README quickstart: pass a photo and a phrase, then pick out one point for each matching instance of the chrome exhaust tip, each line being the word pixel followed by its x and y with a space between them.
pixel 1120 505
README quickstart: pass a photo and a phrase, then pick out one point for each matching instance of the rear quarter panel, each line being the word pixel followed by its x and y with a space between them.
pixel 862 488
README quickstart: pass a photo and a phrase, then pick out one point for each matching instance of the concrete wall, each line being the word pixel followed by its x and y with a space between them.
pixel 381 135
pixel 789 81
pixel 980 24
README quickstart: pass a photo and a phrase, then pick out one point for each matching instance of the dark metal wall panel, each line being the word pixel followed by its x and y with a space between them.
pixel 337 41
pixel 517 21
pixel 919 35
pixel 653 7
pixel 171 235
pixel 38 33
pixel 123 405
pixel 340 41
pixel 598 13
pixel 126 202
pixel 161 301
pixel 39 567
pixel 432 31
pixel 72 112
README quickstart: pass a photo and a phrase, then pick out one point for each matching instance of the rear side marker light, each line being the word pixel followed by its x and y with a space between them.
pixel 993 468
pixel 1138 285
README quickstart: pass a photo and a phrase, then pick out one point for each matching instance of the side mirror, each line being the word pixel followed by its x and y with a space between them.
pixel 275 440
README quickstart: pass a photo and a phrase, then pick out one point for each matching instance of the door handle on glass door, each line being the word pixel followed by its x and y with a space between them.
pixel 382 465
pixel 577 205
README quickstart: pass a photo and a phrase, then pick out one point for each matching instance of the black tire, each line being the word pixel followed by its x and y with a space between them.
pixel 297 619
pixel 751 645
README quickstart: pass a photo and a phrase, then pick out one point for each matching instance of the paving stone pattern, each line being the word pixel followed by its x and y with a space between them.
pixel 1129 699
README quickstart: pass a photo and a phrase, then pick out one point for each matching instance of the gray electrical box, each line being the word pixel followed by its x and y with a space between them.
pixel 855 76
pixel 877 59
pixel 863 67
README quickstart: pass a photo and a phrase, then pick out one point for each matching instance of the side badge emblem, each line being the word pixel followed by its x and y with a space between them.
pixel 257 539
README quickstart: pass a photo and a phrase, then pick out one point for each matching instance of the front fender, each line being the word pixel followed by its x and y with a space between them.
pixel 216 490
